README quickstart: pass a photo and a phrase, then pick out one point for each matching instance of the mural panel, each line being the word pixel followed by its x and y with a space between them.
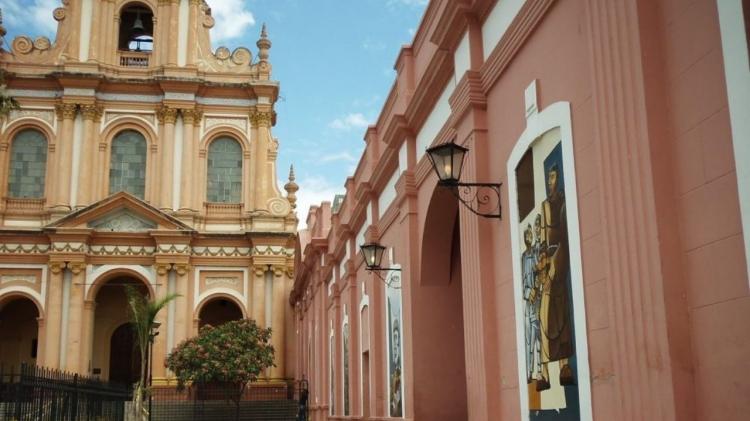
pixel 549 350
pixel 395 353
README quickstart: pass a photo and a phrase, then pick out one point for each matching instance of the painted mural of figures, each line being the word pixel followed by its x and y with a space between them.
pixel 395 380
pixel 556 309
pixel 532 298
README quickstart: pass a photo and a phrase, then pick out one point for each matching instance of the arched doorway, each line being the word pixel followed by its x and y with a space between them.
pixel 124 357
pixel 437 309
pixel 114 356
pixel 18 332
pixel 218 311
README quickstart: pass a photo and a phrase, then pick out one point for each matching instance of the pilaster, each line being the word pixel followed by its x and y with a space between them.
pixel 159 349
pixel 66 113
pixel 261 126
pixel 167 116
pixel 259 295
pixel 277 324
pixel 76 339
pixel 642 369
pixel 86 194
pixel 53 313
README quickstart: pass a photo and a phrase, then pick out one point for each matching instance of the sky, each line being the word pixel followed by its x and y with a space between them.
pixel 333 58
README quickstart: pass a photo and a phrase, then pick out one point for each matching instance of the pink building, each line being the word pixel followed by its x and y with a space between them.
pixel 613 287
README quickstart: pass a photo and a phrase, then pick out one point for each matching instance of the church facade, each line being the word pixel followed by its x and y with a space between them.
pixel 139 156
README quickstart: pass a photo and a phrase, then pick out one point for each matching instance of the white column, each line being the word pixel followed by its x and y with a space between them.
pixel 76 160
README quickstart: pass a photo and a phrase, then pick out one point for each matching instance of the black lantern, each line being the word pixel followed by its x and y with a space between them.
pixel 373 255
pixel 447 160
pixel 482 199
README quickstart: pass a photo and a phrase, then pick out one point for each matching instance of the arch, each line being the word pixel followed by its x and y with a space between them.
pixel 122 4
pixel 128 13
pixel 119 124
pixel 24 123
pixel 11 294
pixel 225 131
pixel 225 295
pixel 435 255
pixel 21 339
pixel 119 272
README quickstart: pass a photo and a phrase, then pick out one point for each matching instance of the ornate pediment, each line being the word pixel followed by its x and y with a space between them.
pixel 121 212
pixel 122 220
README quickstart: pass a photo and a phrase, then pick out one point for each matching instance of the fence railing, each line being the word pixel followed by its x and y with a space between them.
pixel 261 402
pixel 40 394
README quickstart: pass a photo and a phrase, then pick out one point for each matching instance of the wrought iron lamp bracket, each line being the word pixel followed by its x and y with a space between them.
pixel 482 199
pixel 377 271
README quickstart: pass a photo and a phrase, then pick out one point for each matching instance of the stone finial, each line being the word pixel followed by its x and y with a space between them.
pixel 264 44
pixel 291 188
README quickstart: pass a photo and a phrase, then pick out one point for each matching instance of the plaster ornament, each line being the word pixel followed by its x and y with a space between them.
pixel 42 43
pixel 208 22
pixel 278 206
pixel 23 45
pixel 6 279
pixel 123 221
pixel 241 56
pixel 59 14
pixel 222 53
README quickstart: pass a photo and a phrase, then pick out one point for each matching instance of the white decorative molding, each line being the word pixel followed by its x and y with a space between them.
pixel 121 250
pixel 79 92
pixel 199 298
pixel 69 247
pixel 41 298
pixel 122 221
pixel 129 97
pixel 497 22
pixel 46 115
pixel 235 102
pixel 222 280
pixel 215 121
pixel 112 115
pixel 173 248
pixel 6 279
pixel 223 251
pixel 34 93
pixel 554 116
pixel 179 96
pixel 94 272
pixel 24 248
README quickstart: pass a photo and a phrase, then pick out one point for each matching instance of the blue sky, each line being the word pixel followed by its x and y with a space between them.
pixel 334 59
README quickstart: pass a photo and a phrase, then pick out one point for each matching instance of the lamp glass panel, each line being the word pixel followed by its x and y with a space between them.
pixel 373 254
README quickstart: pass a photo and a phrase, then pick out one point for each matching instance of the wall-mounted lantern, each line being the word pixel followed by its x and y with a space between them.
pixel 482 199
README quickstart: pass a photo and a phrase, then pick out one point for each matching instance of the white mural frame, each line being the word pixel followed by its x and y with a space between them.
pixel 554 116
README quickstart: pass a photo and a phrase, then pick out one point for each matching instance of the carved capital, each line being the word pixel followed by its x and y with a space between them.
pixel 278 271
pixel 261 118
pixel 166 115
pixel 92 112
pixel 76 267
pixel 66 111
pixel 191 116
pixel 181 268
pixel 162 268
pixel 260 271
pixel 56 267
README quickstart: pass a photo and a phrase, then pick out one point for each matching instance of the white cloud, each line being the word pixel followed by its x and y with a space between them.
pixel 349 122
pixel 408 2
pixel 313 189
pixel 36 16
pixel 333 157
pixel 232 19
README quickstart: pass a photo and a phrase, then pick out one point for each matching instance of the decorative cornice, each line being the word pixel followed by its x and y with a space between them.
pixel 23 248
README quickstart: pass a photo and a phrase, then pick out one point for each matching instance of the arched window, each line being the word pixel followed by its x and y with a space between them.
pixel 136 32
pixel 127 167
pixel 28 164
pixel 224 171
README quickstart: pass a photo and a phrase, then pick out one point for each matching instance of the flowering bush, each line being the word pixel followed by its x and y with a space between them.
pixel 234 352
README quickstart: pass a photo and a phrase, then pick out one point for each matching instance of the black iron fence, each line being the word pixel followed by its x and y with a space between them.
pixel 257 402
pixel 40 394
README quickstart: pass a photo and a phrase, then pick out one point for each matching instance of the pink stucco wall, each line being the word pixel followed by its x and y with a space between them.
pixel 664 274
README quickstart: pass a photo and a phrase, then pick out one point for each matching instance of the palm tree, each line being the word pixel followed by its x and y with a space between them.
pixel 143 312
